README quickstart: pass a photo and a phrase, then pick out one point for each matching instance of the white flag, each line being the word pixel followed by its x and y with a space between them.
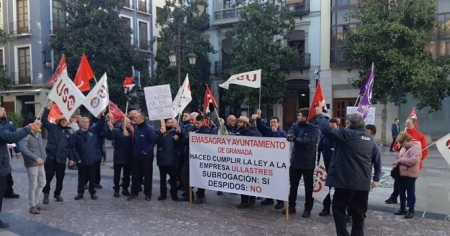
pixel 249 79
pixel 443 145
pixel 320 176
pixel 183 97
pixel 66 95
pixel 98 98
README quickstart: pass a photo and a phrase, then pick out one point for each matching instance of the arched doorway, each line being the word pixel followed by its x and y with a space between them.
pixel 297 97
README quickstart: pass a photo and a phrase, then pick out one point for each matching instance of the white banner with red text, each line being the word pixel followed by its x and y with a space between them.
pixel 252 166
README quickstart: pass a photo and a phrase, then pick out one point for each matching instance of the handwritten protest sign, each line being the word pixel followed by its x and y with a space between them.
pixel 370 118
pixel 244 165
pixel 159 102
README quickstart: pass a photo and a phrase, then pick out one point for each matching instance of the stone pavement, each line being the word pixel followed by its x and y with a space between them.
pixel 219 215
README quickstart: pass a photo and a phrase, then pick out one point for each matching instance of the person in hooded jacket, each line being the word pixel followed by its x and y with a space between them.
pixel 273 131
pixel 246 129
pixel 87 154
pixel 167 140
pixel 123 149
pixel 303 160
pixel 59 149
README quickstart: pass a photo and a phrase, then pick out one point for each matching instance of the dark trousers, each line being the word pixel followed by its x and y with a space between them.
pixel 396 191
pixel 9 185
pixel 172 172
pixel 2 190
pixel 327 201
pixel 98 175
pixel 407 185
pixel 86 173
pixel 308 179
pixel 247 199
pixel 341 201
pixel 52 168
pixel 142 168
pixel 392 144
pixel 185 176
pixel 180 169
pixel 126 176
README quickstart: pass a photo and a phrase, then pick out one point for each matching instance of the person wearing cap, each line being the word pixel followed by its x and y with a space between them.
pixel 87 153
pixel 245 128
pixel 58 150
pixel 303 160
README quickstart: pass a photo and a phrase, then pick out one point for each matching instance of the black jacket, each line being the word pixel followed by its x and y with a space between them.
pixel 87 143
pixel 303 154
pixel 249 131
pixel 5 138
pixel 351 162
pixel 167 153
pixel 123 145
pixel 59 141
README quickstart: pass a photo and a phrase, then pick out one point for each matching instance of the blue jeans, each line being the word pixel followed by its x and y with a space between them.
pixel 407 186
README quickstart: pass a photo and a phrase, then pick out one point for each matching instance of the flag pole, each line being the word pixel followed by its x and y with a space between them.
pixel 259 106
pixel 125 115
pixel 41 111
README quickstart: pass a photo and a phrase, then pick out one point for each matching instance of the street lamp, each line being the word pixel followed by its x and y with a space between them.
pixel 174 59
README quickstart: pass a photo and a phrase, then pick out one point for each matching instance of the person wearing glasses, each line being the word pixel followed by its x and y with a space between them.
pixel 408 160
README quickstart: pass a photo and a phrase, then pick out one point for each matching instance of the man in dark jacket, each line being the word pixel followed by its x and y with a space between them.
pixel 168 140
pixel 246 129
pixel 59 149
pixel 142 162
pixel 350 170
pixel 273 131
pixel 231 125
pixel 87 154
pixel 5 167
pixel 8 125
pixel 326 148
pixel 123 149
pixel 200 128
pixel 303 160
pixel 186 129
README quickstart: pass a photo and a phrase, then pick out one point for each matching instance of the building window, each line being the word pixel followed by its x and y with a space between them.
pixel 127 25
pixel 142 5
pixel 126 3
pixel 59 17
pixel 440 44
pixel 340 108
pixel 24 65
pixel 340 28
pixel 143 35
pixel 22 17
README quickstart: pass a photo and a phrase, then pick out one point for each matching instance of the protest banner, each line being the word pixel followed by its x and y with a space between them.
pixel 370 118
pixel 159 102
pixel 244 165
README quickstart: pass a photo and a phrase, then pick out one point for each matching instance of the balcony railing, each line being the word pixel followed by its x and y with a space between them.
pixel 20 28
pixel 27 77
pixel 57 27
pixel 304 63
pixel 299 7
pixel 227 14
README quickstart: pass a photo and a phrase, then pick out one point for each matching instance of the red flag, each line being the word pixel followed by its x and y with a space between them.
pixel 116 114
pixel 128 84
pixel 62 67
pixel 84 74
pixel 54 114
pixel 209 103
pixel 318 100
pixel 413 115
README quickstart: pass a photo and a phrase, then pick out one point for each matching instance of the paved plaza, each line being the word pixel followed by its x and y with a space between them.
pixel 219 215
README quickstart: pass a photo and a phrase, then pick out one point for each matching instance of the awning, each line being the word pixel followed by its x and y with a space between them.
pixel 23 91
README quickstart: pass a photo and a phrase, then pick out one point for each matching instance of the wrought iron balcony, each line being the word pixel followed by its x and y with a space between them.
pixel 304 63
pixel 299 7
pixel 26 78
pixel 20 28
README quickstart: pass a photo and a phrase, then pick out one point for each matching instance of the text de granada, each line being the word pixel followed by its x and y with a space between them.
pixel 239 142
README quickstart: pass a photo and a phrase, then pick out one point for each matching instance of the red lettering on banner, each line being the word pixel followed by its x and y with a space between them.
pixel 247 77
pixel 63 92
pixel 256 189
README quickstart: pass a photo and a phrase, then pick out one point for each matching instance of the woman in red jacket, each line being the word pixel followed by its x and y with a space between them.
pixel 408 160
